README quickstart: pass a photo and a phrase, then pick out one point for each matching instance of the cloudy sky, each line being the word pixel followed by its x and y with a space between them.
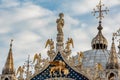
pixel 31 22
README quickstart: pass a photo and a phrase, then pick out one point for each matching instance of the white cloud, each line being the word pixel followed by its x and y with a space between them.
pixel 18 23
pixel 9 3
pixel 80 7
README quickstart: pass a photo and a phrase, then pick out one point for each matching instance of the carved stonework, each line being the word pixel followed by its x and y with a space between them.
pixel 20 72
pixel 50 42
pixel 51 54
pixel 67 53
pixel 37 60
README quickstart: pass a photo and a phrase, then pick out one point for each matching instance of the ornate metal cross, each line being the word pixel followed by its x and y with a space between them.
pixel 100 11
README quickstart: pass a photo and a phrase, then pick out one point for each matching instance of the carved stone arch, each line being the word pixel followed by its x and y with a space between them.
pixel 111 76
pixel 6 78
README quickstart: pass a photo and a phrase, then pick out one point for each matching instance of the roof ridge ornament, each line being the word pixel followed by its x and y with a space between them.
pixel 100 11
pixel 11 43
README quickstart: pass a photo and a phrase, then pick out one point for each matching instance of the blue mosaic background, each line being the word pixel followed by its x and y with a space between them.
pixel 72 74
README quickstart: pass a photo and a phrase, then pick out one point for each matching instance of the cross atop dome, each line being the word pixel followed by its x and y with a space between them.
pixel 100 11
pixel 99 42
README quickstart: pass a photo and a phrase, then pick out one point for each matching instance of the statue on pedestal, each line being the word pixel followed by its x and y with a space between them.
pixel 60 23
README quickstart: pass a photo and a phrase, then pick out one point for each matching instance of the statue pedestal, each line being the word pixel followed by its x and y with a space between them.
pixel 59 44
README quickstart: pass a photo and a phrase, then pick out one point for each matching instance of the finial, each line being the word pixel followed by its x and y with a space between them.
pixel 11 43
pixel 100 11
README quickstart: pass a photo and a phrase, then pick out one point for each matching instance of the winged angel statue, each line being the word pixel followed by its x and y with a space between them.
pixel 20 71
pixel 38 60
pixel 69 43
pixel 50 42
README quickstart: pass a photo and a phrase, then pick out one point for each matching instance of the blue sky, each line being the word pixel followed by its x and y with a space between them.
pixel 31 22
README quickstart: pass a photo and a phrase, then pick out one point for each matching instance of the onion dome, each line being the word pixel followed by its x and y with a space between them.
pixel 99 42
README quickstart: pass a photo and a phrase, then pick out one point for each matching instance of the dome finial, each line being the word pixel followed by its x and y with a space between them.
pixel 99 42
pixel 100 11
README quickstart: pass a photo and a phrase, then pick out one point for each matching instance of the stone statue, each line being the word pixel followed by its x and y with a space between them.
pixel 50 52
pixel 20 71
pixel 60 23
pixel 68 43
pixel 50 42
pixel 37 57
pixel 80 58
pixel 98 69
pixel 29 75
pixel 38 60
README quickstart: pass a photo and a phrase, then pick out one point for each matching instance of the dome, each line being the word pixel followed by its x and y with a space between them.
pixel 91 57
pixel 99 42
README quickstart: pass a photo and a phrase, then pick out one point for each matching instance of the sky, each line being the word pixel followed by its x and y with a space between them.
pixel 31 22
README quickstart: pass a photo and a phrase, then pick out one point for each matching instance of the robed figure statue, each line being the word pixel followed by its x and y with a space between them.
pixel 60 23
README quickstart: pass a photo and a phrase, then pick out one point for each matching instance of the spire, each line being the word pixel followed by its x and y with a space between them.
pixel 28 65
pixel 113 60
pixel 99 42
pixel 9 65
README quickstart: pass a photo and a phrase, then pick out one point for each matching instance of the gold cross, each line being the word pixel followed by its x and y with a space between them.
pixel 100 11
